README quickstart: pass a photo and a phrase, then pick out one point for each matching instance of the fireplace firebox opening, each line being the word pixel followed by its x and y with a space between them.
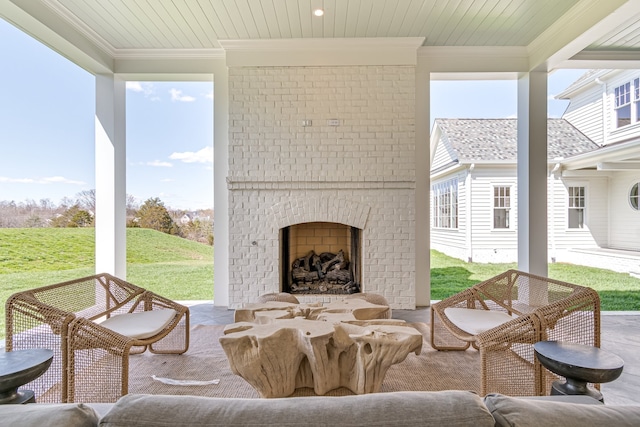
pixel 320 258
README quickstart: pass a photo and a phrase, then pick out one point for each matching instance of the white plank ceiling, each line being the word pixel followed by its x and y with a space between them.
pixel 156 24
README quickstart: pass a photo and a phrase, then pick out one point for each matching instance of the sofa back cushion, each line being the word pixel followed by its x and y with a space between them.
pixel 445 408
pixel 38 415
pixel 513 411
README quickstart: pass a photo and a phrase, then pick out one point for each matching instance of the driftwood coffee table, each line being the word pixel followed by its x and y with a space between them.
pixel 278 347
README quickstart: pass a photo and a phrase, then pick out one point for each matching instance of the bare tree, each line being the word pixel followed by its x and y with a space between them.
pixel 87 200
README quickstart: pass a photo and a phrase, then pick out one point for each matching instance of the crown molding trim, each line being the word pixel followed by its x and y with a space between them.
pixel 327 52
pixel 169 54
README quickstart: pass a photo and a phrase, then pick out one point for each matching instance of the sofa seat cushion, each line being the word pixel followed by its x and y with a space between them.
pixel 474 321
pixel 513 411
pixel 40 414
pixel 141 324
pixel 445 408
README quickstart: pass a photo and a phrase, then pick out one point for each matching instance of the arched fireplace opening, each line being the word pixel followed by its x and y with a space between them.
pixel 320 258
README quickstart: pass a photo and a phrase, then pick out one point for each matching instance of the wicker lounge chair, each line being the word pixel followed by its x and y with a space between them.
pixel 93 324
pixel 504 316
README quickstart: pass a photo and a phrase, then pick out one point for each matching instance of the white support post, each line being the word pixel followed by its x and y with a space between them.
pixel 220 191
pixel 423 184
pixel 532 173
pixel 110 167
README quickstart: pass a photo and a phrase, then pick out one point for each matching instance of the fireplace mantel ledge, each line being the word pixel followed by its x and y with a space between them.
pixel 240 184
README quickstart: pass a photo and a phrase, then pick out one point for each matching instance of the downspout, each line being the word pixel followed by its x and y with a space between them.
pixel 552 204
pixel 469 231
pixel 604 142
pixel 604 112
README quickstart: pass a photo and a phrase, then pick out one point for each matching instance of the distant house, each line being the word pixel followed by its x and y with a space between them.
pixel 195 216
pixel 185 219
pixel 594 174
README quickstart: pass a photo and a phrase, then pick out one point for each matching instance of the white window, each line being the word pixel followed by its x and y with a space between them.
pixel 445 204
pixel 576 207
pixel 501 207
pixel 636 98
pixel 623 105
pixel 633 197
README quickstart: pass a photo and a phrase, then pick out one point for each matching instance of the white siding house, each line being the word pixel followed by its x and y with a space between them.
pixel 476 161
pixel 593 180
pixel 605 105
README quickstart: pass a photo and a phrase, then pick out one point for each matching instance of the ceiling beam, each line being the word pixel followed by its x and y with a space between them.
pixel 581 26
pixel 474 62
pixel 168 64
pixel 603 59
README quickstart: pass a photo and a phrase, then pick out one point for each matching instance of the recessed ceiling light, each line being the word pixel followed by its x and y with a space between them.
pixel 318 12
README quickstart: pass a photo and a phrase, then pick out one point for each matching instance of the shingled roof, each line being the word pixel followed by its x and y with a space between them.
pixel 496 139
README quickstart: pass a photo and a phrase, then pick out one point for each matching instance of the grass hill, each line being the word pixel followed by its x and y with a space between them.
pixel 177 268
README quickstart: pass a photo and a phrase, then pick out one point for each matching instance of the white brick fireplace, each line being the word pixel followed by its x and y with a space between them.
pixel 322 144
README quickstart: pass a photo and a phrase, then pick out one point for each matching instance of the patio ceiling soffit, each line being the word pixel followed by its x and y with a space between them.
pixel 563 44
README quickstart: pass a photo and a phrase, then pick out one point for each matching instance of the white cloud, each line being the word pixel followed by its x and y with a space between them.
pixel 60 180
pixel 134 86
pixel 201 156
pixel 160 164
pixel 176 95
pixel 17 180
pixel 148 89
pixel 209 95
pixel 45 180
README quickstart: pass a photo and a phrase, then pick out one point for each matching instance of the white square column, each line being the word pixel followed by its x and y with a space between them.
pixel 532 173
pixel 110 166
pixel 423 186
pixel 220 190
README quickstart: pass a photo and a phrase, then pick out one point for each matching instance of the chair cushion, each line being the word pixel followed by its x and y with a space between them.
pixel 475 321
pixel 141 324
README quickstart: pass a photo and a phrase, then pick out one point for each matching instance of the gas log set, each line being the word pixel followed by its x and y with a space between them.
pixel 327 273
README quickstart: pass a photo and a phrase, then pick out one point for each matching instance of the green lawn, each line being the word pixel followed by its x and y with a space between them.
pixel 618 291
pixel 168 265
pixel 183 270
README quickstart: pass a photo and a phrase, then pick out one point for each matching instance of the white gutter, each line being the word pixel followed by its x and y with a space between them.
pixel 609 152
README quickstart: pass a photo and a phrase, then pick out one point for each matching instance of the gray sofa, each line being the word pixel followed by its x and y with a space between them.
pixel 442 408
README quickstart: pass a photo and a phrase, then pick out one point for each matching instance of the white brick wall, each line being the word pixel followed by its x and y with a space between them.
pixel 360 173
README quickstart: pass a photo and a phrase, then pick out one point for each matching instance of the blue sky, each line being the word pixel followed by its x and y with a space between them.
pixel 47 107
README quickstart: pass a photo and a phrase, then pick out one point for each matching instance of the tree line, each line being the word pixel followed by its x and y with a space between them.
pixel 80 212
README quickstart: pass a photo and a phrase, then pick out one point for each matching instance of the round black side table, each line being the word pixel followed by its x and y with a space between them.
pixel 579 364
pixel 19 367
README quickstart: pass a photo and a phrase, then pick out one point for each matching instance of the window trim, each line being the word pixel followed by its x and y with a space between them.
pixel 584 207
pixel 636 184
pixel 621 99
pixel 509 209
pixel 447 191
pixel 636 100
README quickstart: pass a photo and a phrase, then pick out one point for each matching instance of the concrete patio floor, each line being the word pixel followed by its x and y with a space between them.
pixel 620 334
